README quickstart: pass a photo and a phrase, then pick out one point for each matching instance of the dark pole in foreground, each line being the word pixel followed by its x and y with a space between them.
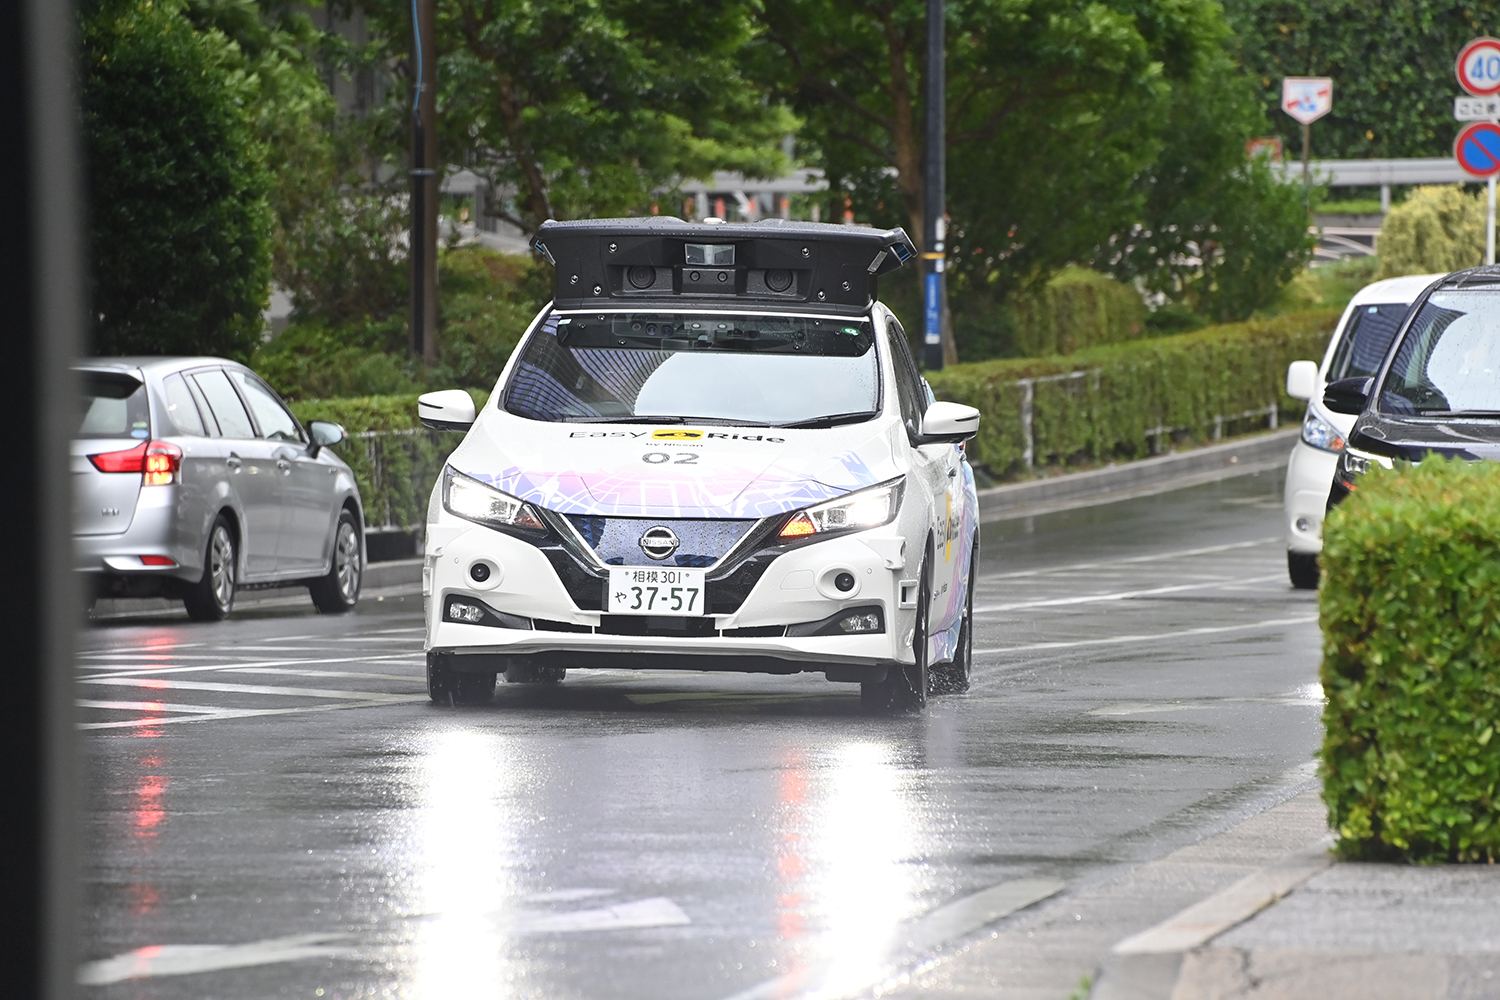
pixel 424 185
pixel 934 230
pixel 44 299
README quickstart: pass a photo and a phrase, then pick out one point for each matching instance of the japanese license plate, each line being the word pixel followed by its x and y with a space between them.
pixel 654 590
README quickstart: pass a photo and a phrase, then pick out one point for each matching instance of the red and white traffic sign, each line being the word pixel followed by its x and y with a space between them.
pixel 1477 149
pixel 1478 67
pixel 1307 98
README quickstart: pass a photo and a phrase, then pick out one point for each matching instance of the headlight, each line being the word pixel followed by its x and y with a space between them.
pixel 868 508
pixel 1320 433
pixel 468 498
pixel 1353 464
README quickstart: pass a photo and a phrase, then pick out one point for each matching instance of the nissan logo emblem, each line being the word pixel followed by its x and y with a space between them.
pixel 659 542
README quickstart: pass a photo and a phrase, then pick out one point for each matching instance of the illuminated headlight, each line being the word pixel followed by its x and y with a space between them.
pixel 1354 463
pixel 468 498
pixel 867 508
pixel 1320 433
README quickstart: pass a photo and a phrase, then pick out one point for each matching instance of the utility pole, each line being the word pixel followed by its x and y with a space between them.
pixel 424 184
pixel 934 166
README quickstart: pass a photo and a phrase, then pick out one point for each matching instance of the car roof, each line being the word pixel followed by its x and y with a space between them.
pixel 1404 289
pixel 151 364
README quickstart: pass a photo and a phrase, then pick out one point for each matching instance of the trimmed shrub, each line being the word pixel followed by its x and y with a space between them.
pixel 1121 400
pixel 1437 228
pixel 1078 308
pixel 1410 611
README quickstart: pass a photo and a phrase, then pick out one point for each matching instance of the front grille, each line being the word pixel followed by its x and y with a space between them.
pixel 702 541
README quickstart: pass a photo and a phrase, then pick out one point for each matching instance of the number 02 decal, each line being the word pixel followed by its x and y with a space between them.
pixel 662 458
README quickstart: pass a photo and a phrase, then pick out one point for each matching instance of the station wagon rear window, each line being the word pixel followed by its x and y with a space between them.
pixel 715 367
pixel 114 406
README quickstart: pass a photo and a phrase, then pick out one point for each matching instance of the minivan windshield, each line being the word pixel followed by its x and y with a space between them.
pixel 1449 360
pixel 752 370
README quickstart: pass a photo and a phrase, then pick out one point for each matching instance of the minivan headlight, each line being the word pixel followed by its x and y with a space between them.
pixel 1320 433
pixel 867 508
pixel 468 498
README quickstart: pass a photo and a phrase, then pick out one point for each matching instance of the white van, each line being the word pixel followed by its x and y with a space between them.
pixel 1357 348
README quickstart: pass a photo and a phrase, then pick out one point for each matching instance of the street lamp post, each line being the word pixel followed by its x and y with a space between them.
pixel 424 185
pixel 934 228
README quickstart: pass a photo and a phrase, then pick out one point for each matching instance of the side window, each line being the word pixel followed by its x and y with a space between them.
pixel 907 379
pixel 182 412
pixel 225 403
pixel 275 422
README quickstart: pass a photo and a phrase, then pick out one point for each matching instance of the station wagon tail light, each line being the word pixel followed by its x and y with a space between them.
pixel 468 498
pixel 158 462
pixel 868 508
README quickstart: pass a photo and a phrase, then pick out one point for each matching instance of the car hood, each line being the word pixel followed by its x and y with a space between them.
pixel 640 470
pixel 1470 440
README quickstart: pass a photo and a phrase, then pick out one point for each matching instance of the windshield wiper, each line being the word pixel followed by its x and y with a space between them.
pixel 625 420
pixel 833 419
pixel 1458 413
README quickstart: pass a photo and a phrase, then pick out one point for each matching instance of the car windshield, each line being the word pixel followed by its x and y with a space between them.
pixel 705 368
pixel 1365 343
pixel 113 406
pixel 1449 360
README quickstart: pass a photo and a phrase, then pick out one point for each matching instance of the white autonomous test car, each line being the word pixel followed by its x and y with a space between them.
pixel 712 451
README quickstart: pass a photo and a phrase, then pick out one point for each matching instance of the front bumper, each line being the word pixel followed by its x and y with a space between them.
pixel 795 588
pixel 1309 474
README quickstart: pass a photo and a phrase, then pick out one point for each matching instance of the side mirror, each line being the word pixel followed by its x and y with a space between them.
pixel 1302 379
pixel 448 410
pixel 323 434
pixel 948 423
pixel 1348 395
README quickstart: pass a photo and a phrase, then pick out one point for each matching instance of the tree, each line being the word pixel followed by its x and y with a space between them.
pixel 1391 64
pixel 590 107
pixel 179 225
pixel 1054 107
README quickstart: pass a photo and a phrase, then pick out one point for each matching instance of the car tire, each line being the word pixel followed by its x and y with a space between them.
pixel 906 684
pixel 1302 567
pixel 447 686
pixel 535 675
pixel 338 591
pixel 953 677
pixel 212 597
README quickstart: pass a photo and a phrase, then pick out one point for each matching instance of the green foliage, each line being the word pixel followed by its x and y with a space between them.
pixel 590 107
pixel 1183 383
pixel 1410 611
pixel 1391 63
pixel 1078 308
pixel 1437 228
pixel 179 220
pixel 488 299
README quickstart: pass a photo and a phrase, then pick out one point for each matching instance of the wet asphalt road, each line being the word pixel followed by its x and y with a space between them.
pixel 277 811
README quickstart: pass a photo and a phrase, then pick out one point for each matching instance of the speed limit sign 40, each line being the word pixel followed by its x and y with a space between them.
pixel 1478 67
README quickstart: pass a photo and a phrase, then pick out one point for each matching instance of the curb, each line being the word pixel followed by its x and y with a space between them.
pixel 1145 477
pixel 1149 965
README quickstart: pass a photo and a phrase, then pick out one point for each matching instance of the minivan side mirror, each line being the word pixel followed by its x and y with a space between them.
pixel 1302 379
pixel 948 423
pixel 446 410
pixel 323 434
pixel 1348 395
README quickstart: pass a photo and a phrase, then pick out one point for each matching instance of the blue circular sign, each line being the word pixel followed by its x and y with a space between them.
pixel 1477 149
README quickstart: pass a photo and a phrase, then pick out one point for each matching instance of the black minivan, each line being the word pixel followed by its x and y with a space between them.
pixel 1438 391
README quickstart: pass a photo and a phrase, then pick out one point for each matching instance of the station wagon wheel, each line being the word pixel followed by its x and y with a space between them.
pixel 906 684
pixel 212 597
pixel 338 591
pixel 953 677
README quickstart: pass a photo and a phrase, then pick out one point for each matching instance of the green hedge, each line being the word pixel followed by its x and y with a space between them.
pixel 395 459
pixel 1122 400
pixel 1410 610
pixel 1078 308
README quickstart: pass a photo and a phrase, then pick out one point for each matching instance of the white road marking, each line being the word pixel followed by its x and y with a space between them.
pixel 1132 560
pixel 352 674
pixel 1151 637
pixel 225 688
pixel 1150 707
pixel 184 959
pixel 912 940
pixel 657 911
pixel 108 673
pixel 248 713
pixel 568 895
pixel 1123 595
pixel 150 706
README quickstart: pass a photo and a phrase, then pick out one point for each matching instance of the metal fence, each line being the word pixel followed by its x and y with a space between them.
pixel 396 470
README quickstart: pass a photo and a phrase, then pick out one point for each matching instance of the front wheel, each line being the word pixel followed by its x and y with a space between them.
pixel 338 591
pixel 953 677
pixel 1302 567
pixel 212 597
pixel 447 686
pixel 535 675
pixel 906 684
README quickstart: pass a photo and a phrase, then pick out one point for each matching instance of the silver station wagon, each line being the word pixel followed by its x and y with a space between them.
pixel 192 480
